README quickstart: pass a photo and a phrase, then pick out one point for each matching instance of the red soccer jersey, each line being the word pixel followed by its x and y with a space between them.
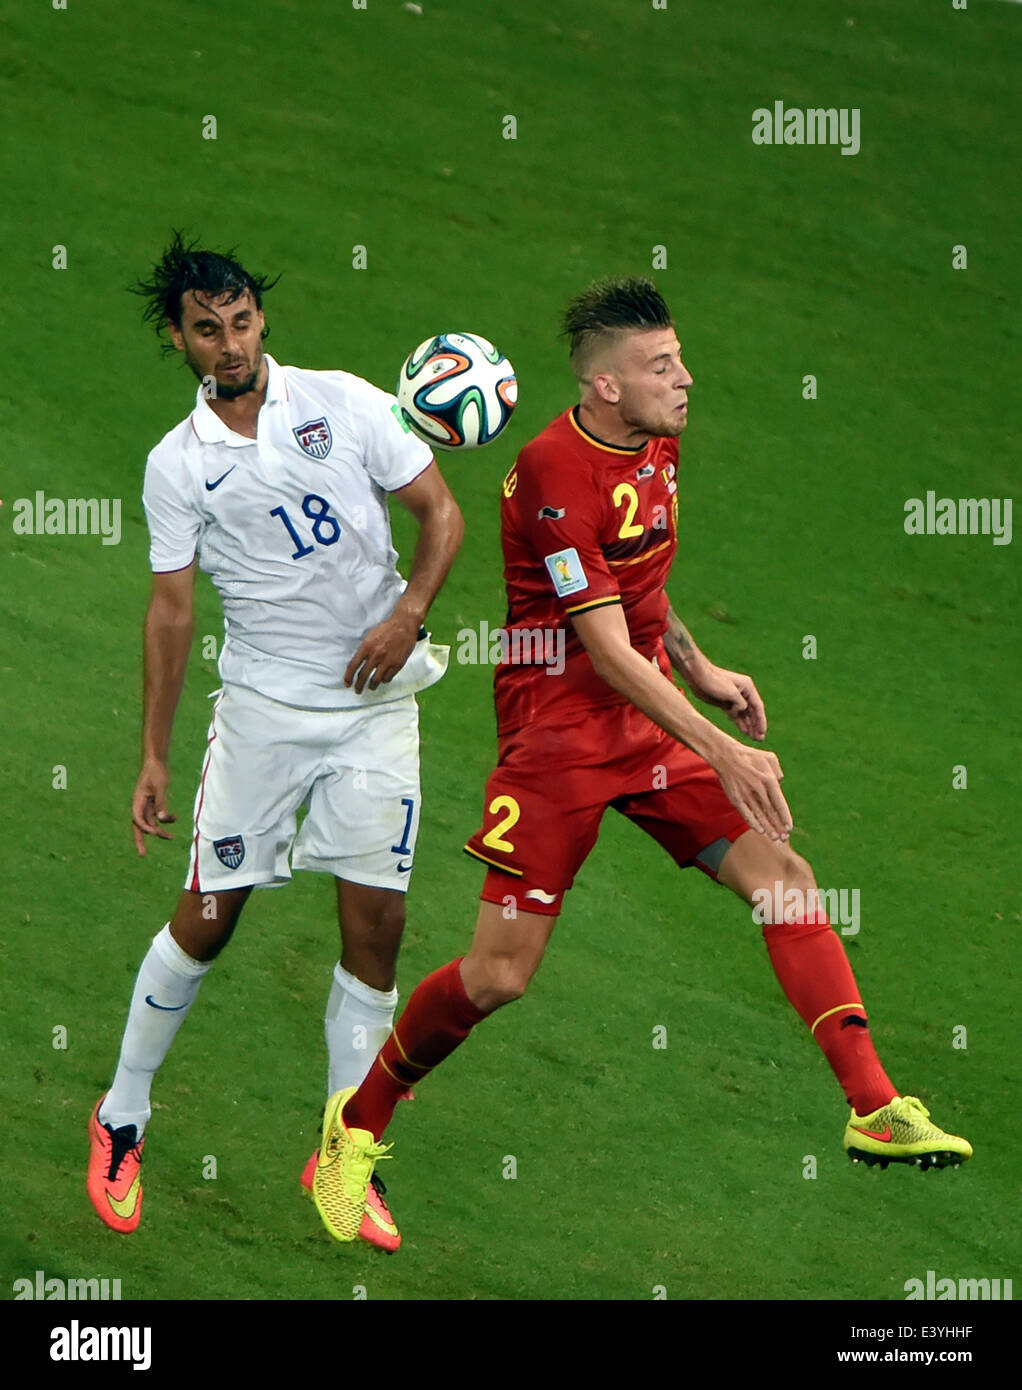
pixel 583 524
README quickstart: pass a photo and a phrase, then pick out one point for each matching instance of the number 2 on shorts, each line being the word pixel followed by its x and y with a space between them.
pixel 492 838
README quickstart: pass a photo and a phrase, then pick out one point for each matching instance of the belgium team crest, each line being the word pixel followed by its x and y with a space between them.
pixel 314 437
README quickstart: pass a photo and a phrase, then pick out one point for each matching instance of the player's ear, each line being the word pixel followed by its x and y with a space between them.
pixel 606 388
pixel 176 336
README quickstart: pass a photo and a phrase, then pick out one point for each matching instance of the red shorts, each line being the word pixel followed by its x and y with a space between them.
pixel 547 795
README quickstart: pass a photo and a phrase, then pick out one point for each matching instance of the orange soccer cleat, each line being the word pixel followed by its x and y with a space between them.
pixel 114 1183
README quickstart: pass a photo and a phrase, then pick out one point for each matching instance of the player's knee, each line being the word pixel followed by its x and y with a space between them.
pixel 201 943
pixel 792 895
pixel 506 979
pixel 204 922
pixel 796 872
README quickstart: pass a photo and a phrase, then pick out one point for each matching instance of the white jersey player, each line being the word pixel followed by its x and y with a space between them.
pixel 276 485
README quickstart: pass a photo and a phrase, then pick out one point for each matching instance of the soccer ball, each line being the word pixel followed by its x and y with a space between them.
pixel 457 391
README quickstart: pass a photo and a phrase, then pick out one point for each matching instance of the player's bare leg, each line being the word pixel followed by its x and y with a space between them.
pixel 811 965
pixel 754 863
pixel 372 922
pixel 203 923
pixel 504 955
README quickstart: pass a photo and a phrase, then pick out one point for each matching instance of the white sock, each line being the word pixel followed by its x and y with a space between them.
pixel 171 979
pixel 358 1023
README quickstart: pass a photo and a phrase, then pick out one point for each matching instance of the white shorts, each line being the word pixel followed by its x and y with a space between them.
pixel 356 770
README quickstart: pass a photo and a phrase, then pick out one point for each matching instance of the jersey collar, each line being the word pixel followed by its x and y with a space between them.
pixel 212 430
pixel 631 452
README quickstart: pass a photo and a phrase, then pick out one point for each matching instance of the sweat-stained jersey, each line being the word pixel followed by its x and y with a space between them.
pixel 583 524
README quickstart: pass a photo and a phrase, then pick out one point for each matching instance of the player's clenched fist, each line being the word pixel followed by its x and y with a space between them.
pixel 384 650
pixel 149 804
pixel 751 777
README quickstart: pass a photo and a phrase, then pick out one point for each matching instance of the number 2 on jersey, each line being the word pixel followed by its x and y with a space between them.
pixel 320 518
pixel 624 492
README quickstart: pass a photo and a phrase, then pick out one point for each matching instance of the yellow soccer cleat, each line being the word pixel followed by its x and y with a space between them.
pixel 901 1132
pixel 378 1226
pixel 340 1183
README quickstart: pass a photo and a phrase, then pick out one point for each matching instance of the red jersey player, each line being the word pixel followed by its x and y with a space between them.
pixel 588 518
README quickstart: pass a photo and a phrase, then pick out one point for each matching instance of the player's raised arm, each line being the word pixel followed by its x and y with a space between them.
pixel 730 691
pixel 386 647
pixel 166 644
pixel 749 776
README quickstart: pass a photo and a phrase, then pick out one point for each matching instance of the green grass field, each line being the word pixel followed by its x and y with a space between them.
pixel 336 128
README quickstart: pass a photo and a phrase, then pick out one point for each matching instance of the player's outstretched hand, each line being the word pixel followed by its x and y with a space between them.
pixel 751 778
pixel 735 694
pixel 384 650
pixel 149 804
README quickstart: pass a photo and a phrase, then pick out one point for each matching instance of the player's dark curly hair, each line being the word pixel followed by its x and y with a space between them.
pixel 608 306
pixel 181 268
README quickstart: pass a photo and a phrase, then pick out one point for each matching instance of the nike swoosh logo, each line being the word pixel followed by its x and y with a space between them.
pixel 168 1008
pixel 378 1220
pixel 884 1138
pixel 125 1206
pixel 210 486
pixel 404 868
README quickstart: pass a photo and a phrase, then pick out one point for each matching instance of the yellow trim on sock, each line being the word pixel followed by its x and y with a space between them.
pixel 417 1065
pixel 836 1010
pixel 391 1074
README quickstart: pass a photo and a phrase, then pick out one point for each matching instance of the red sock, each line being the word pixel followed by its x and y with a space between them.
pixel 809 961
pixel 437 1018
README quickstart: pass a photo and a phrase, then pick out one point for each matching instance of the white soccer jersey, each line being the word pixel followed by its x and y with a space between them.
pixel 292 528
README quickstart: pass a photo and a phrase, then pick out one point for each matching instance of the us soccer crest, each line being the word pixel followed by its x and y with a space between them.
pixel 314 437
pixel 230 850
